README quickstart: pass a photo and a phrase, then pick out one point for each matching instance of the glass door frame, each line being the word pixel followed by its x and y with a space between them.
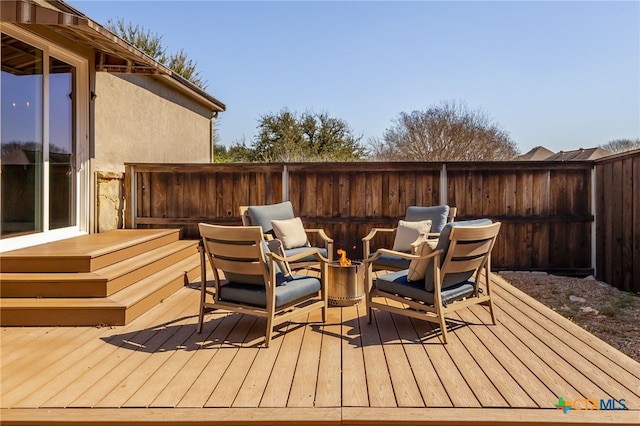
pixel 81 132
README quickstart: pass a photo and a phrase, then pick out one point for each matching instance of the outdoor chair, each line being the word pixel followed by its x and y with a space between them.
pixel 279 222
pixel 248 278
pixel 418 222
pixel 438 282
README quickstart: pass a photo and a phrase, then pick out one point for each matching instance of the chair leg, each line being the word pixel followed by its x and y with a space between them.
pixel 200 319
pixel 369 309
pixel 443 326
pixel 269 332
pixel 203 286
pixel 491 310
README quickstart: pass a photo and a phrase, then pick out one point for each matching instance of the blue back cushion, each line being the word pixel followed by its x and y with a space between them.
pixel 443 244
pixel 263 215
pixel 436 214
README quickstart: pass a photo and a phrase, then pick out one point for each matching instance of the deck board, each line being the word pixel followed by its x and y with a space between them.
pixel 204 385
pixel 305 379
pixel 379 385
pixel 395 369
pixel 576 367
pixel 405 387
pixel 328 388
pixel 354 380
pixel 603 364
pixel 433 393
pixel 284 368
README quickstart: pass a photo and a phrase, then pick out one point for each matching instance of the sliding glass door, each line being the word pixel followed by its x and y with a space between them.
pixel 41 112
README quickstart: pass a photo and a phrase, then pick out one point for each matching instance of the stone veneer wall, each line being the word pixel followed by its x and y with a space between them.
pixel 110 201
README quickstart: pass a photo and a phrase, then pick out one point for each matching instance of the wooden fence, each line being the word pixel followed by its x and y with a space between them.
pixel 546 208
pixel 618 220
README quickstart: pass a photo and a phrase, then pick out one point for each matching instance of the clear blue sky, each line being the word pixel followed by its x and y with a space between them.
pixel 561 74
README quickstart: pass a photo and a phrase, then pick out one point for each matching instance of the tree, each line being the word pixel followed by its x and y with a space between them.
pixel 151 44
pixel 621 145
pixel 236 153
pixel 288 137
pixel 180 63
pixel 448 132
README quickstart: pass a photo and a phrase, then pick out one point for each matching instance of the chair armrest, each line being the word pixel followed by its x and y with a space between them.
pixel 298 256
pixel 366 246
pixel 400 254
pixel 321 234
pixel 374 231
pixel 328 241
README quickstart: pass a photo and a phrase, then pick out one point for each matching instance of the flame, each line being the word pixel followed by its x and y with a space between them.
pixel 343 258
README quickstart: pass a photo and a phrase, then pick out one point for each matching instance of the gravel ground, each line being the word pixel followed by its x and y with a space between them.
pixel 603 310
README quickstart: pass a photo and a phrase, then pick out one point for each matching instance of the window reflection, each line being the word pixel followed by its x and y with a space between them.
pixel 21 138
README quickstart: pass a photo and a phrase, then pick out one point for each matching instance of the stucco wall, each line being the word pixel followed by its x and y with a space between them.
pixel 139 119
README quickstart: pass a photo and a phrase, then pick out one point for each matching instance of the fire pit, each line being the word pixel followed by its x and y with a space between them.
pixel 345 281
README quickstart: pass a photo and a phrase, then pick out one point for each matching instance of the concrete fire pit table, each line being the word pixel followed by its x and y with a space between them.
pixel 345 283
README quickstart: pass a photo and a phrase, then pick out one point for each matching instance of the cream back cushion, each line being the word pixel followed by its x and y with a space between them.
pixel 408 232
pixel 418 268
pixel 290 232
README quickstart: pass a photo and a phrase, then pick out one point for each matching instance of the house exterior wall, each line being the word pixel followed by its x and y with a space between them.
pixel 140 119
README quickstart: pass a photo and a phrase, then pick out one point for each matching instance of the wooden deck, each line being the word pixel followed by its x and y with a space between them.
pixel 157 370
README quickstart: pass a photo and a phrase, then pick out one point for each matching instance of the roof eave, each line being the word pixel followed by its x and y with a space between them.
pixel 75 25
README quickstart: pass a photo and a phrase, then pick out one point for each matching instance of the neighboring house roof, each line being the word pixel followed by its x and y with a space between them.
pixel 538 153
pixel 579 155
pixel 114 54
pixel 541 153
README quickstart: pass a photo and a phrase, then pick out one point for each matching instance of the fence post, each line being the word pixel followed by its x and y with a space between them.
pixel 285 183
pixel 131 195
pixel 444 197
pixel 594 212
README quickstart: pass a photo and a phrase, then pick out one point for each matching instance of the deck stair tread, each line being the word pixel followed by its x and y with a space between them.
pixel 86 253
pixel 123 298
pixel 139 297
pixel 143 268
pixel 100 283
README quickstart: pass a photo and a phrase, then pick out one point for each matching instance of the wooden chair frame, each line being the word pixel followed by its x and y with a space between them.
pixel 480 240
pixel 275 316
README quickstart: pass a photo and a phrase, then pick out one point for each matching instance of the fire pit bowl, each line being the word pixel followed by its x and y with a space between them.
pixel 345 283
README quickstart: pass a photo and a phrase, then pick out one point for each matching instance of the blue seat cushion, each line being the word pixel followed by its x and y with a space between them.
pixel 394 263
pixel 443 244
pixel 263 215
pixel 299 287
pixel 438 216
pixel 397 283
pixel 310 258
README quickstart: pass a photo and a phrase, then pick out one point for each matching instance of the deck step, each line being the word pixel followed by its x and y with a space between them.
pixel 87 253
pixel 101 283
pixel 118 309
